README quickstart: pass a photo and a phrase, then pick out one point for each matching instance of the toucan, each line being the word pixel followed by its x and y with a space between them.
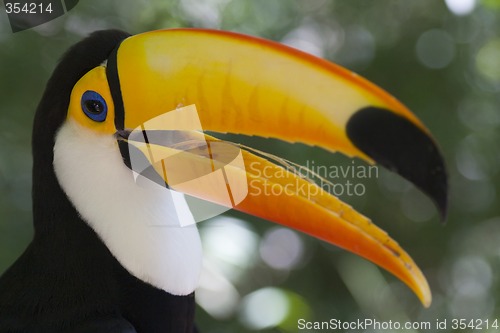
pixel 122 124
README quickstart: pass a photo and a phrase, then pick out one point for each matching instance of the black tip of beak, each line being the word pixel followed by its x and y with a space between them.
pixel 399 145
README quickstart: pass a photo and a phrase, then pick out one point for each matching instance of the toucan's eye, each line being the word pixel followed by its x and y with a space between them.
pixel 94 106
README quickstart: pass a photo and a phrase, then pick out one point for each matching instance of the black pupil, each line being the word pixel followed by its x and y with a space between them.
pixel 94 106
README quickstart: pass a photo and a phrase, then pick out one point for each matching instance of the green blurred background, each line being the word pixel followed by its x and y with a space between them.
pixel 442 59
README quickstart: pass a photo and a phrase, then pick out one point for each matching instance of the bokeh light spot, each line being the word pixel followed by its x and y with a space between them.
pixel 472 276
pixel 479 114
pixel 358 48
pixel 435 49
pixel 264 308
pixel 488 60
pixel 461 7
pixel 215 294
pixel 230 244
pixel 281 248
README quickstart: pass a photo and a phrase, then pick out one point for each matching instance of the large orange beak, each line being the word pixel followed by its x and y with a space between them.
pixel 245 85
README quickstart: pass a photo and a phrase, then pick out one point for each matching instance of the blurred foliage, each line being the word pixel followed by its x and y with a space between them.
pixel 440 59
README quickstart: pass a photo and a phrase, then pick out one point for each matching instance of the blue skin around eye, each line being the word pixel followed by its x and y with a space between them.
pixel 90 95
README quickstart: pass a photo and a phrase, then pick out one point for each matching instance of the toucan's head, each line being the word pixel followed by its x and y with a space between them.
pixel 115 99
